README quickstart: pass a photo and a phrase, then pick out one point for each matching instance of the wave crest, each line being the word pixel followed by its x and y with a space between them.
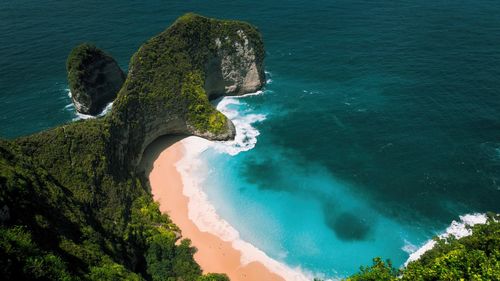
pixel 201 211
pixel 246 133
pixel 79 116
pixel 458 229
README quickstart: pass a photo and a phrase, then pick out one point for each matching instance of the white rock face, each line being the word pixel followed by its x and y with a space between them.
pixel 230 61
pixel 236 69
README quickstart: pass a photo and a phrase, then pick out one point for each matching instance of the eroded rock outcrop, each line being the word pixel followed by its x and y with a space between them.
pixel 94 78
pixel 172 77
pixel 236 68
pixel 73 198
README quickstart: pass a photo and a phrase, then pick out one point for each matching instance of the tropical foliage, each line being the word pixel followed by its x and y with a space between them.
pixel 70 209
pixel 475 257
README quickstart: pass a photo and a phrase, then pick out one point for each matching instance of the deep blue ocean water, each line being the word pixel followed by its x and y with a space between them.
pixel 382 119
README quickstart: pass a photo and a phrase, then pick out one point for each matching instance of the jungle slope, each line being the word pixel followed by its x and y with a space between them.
pixel 75 206
pixel 73 203
pixel 474 257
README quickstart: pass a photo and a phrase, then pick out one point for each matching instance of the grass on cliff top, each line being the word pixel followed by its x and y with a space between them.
pixel 78 58
pixel 169 69
pixel 201 114
pixel 90 227
pixel 73 214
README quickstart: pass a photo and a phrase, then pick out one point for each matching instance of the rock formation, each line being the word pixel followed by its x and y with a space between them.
pixel 235 69
pixel 94 78
pixel 173 76
pixel 74 203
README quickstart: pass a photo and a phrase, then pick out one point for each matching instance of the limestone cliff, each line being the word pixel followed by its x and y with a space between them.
pixel 73 201
pixel 172 77
pixel 94 78
pixel 235 69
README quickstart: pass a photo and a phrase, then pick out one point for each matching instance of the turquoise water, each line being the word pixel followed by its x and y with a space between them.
pixel 382 119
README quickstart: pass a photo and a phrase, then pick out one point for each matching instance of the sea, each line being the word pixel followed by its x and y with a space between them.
pixel 378 129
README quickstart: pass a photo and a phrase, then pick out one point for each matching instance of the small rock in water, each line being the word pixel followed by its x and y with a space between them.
pixel 94 78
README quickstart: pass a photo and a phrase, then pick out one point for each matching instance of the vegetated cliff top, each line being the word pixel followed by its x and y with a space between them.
pixel 474 257
pixel 94 78
pixel 80 56
pixel 168 75
pixel 170 69
pixel 72 209
pixel 78 186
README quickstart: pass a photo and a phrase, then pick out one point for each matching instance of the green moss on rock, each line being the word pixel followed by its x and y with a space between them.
pixel 94 78
pixel 74 202
pixel 167 83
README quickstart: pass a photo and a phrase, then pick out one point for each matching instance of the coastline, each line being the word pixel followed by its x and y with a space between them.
pixel 214 255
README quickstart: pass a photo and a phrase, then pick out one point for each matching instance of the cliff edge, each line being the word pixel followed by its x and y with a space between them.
pixel 73 203
pixel 174 74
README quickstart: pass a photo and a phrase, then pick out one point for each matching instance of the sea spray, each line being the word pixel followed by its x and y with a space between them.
pixel 201 211
pixel 458 229
pixel 269 77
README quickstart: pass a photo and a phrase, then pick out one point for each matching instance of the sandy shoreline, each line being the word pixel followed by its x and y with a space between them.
pixel 214 254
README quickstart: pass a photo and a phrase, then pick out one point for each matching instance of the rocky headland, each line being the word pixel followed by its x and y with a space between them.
pixel 75 204
pixel 74 197
pixel 174 75
pixel 94 78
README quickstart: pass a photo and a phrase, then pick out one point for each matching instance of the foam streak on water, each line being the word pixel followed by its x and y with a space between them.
pixel 458 229
pixel 201 211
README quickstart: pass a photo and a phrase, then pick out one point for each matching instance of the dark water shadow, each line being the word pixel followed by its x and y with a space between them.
pixel 154 150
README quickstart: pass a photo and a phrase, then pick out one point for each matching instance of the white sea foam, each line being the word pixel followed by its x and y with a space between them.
pixel 260 92
pixel 269 77
pixel 80 116
pixel 246 133
pixel 201 211
pixel 458 229
pixel 409 247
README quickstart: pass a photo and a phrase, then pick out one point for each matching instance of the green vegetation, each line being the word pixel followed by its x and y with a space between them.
pixel 201 115
pixel 80 56
pixel 475 257
pixel 74 205
pixel 380 270
pixel 82 222
pixel 180 53
pixel 166 82
pixel 94 78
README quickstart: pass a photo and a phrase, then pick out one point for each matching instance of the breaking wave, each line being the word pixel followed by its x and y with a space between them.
pixel 201 211
pixel 458 229
pixel 79 116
